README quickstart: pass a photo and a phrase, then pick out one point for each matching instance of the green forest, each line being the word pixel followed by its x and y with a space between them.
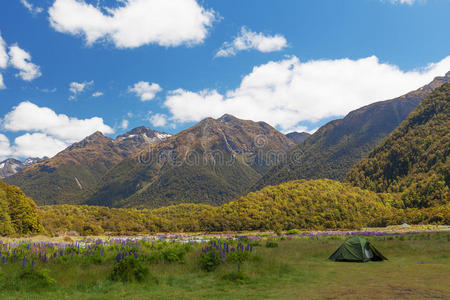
pixel 414 160
pixel 316 204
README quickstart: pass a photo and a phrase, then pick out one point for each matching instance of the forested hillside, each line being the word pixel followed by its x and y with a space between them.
pixel 415 159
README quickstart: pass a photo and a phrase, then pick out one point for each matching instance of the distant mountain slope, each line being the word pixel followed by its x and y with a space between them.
pixel 69 176
pixel 415 159
pixel 212 162
pixel 337 146
pixel 11 166
pixel 297 137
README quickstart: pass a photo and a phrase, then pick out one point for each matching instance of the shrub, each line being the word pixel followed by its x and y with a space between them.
pixel 236 276
pixel 209 261
pixel 293 231
pixel 29 279
pixel 129 269
pixel 239 256
pixel 271 244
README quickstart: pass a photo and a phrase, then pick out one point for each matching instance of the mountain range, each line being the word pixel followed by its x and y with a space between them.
pixel 212 162
pixel 11 166
pixel 219 160
pixel 72 174
pixel 338 145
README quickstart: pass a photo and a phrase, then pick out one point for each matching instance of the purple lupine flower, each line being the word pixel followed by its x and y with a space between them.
pixel 24 263
pixel 239 267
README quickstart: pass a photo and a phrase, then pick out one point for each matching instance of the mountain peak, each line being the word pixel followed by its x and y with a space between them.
pixel 95 138
pixel 145 133
pixel 227 118
pixel 139 130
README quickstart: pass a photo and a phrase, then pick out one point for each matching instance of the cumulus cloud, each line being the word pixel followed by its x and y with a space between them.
pixel 145 90
pixel 97 94
pixel 31 8
pixel 29 117
pixel 78 87
pixel 124 124
pixel 21 60
pixel 158 120
pixel 4 58
pixel 288 92
pixel 37 145
pixel 2 84
pixel 5 149
pixel 247 40
pixel 47 133
pixel 135 22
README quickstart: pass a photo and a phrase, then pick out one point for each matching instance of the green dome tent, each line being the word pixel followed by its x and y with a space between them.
pixel 357 249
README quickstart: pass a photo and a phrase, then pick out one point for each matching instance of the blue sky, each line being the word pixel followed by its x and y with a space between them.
pixel 294 64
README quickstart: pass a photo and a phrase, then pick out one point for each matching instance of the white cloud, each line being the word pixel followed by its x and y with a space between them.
pixel 247 40
pixel 78 87
pixel 295 129
pixel 158 120
pixel 5 150
pixel 4 58
pixel 32 118
pixel 21 60
pixel 287 92
pixel 38 145
pixel 31 8
pixel 97 94
pixel 145 90
pixel 135 22
pixel 124 124
pixel 2 84
pixel 409 2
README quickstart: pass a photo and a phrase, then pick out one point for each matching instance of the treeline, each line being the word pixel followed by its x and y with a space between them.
pixel 316 204
pixel 18 213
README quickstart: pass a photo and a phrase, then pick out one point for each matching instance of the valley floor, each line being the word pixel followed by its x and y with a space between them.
pixel 418 268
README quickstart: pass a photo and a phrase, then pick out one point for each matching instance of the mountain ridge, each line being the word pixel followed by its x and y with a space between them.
pixel 212 162
pixel 70 175
pixel 338 145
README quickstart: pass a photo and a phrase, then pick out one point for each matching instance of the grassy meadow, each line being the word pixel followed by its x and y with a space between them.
pixel 282 267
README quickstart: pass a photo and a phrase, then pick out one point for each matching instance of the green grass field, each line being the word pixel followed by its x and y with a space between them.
pixel 418 268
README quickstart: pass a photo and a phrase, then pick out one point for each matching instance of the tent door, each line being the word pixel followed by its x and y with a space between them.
pixel 369 253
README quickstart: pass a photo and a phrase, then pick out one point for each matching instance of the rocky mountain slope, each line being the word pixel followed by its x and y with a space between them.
pixel 11 166
pixel 212 162
pixel 71 175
